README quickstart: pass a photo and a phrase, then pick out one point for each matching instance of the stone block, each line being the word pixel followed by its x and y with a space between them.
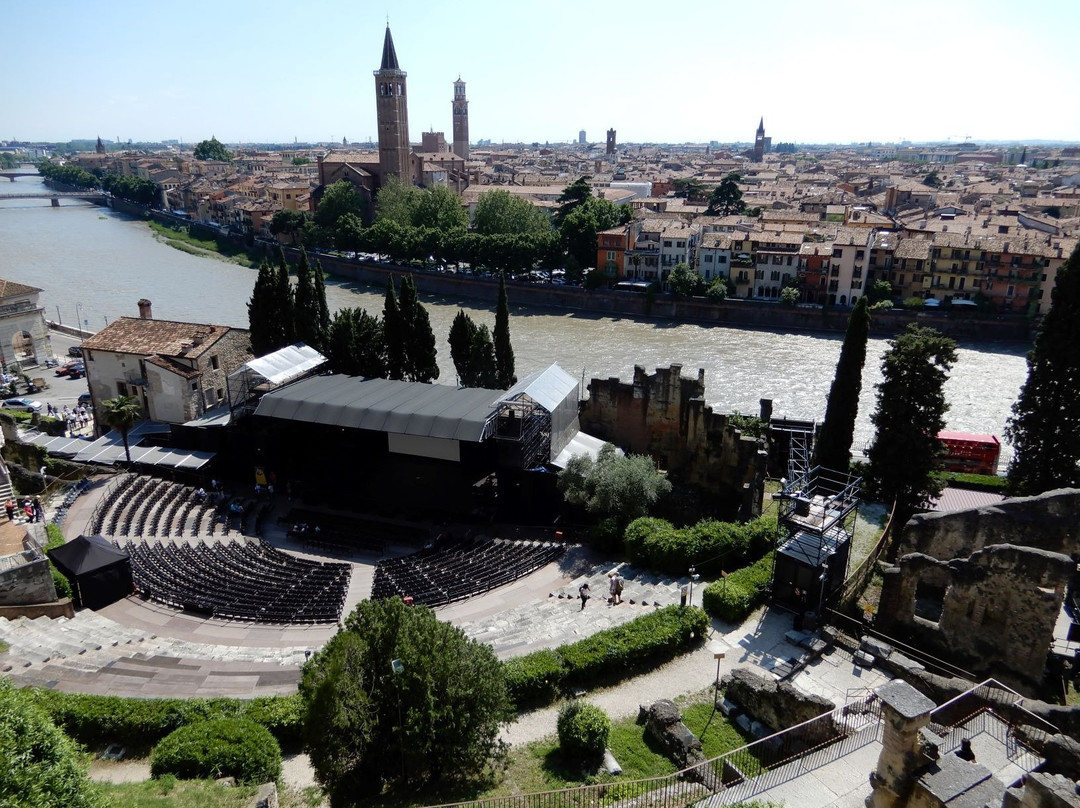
pixel 864 660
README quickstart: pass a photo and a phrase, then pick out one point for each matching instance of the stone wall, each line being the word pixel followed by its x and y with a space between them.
pixel 664 415
pixel 25 578
pixel 777 705
pixel 1049 521
pixel 992 613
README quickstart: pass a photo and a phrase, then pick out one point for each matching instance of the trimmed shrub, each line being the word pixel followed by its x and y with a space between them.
pixel 583 729
pixel 224 747
pixel 652 638
pixel 140 723
pixel 709 545
pixel 535 678
pixel 734 597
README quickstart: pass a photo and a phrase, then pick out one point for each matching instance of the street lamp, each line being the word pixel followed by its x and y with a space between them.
pixel 693 577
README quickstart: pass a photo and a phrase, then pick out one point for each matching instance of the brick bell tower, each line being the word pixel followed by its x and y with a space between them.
pixel 461 120
pixel 392 111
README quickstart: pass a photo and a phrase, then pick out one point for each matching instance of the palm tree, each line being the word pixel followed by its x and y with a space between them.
pixel 122 413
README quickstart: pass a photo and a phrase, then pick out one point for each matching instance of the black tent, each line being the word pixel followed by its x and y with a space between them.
pixel 99 572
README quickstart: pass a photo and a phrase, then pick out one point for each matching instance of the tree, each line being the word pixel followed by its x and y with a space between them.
pixel 684 282
pixel 580 225
pixel 394 334
pixel 910 412
pixel 504 351
pixel 726 198
pixel 122 413
pixel 501 213
pixel 613 485
pixel 355 344
pixel 268 312
pixel 285 300
pixel 322 321
pixel 42 767
pixel 308 310
pixel 573 196
pixel 399 699
pixel 932 179
pixel 339 199
pixel 789 296
pixel 718 289
pixel 396 202
pixel 482 359
pixel 688 187
pixel 439 208
pixel 833 447
pixel 212 149
pixel 410 343
pixel 461 339
pixel 879 291
pixel 1044 428
pixel 291 223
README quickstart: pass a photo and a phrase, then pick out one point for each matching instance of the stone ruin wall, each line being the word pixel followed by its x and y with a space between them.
pixel 664 415
pixel 989 582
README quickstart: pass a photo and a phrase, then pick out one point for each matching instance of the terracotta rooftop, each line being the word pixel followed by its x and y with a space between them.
pixel 134 335
pixel 12 288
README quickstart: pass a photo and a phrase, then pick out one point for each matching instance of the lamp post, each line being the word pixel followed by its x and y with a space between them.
pixel 693 577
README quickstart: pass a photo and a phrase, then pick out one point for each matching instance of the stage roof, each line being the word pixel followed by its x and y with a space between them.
pixel 547 387
pixel 385 405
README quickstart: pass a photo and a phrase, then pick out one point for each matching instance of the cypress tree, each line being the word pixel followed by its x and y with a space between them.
pixel 424 358
pixel 910 412
pixel 355 343
pixel 407 304
pixel 394 334
pixel 482 359
pixel 460 339
pixel 504 351
pixel 283 293
pixel 263 322
pixel 1044 428
pixel 306 305
pixel 322 323
pixel 833 449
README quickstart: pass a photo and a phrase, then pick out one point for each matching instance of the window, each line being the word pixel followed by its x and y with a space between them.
pixel 774 275
pixel 759 274
pixel 859 255
pixel 220 393
pixel 722 259
pixel 778 260
pixel 121 389
pixel 838 253
pixel 1011 291
pixel 789 258
pixel 194 386
pixel 667 243
pixel 611 255
pixel 214 362
pixel 708 258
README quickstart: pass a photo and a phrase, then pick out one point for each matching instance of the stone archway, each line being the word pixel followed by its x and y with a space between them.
pixel 22 346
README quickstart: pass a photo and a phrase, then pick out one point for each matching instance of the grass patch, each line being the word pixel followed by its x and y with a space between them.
pixel 720 736
pixel 181 239
pixel 168 792
pixel 4 647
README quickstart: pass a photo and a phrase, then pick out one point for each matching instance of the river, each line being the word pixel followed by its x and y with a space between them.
pixel 94 265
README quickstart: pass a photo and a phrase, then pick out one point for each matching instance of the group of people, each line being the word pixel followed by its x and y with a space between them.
pixel 76 417
pixel 31 509
pixel 615 590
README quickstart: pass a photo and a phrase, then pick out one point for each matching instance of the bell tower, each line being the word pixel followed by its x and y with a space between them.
pixel 759 141
pixel 392 111
pixel 461 120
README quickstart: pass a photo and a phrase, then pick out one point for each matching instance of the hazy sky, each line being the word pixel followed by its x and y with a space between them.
pixel 697 70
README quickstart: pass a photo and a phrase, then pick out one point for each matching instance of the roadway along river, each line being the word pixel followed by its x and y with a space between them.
pixel 94 265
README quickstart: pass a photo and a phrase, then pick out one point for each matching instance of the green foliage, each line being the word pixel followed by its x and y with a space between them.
pixel 913 303
pixel 504 351
pixel 421 363
pixel 607 656
pixel 684 282
pixel 710 546
pixel 68 175
pixel 718 289
pixel 270 310
pixel 910 412
pixel 534 679
pixel 223 747
pixel 583 729
pixel 747 424
pixel 212 149
pixel 1044 428
pixel 501 213
pixel 122 413
pixel 356 344
pixel 434 714
pixel 9 160
pixel 932 179
pixel 291 223
pixel 613 484
pixel 309 305
pixel 300 161
pixel 688 187
pixel 726 199
pixel 340 199
pixel 140 723
pixel 168 792
pixel 439 208
pixel 833 447
pixel 733 598
pixel 973 482
pixel 789 296
pixel 879 291
pixel 134 189
pixel 39 765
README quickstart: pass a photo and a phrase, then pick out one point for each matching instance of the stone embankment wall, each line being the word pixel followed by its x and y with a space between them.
pixel 26 580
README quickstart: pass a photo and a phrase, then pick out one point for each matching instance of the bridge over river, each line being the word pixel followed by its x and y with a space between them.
pixel 97 197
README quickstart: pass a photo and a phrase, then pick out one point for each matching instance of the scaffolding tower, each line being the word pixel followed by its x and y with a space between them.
pixel 816 511
pixel 522 432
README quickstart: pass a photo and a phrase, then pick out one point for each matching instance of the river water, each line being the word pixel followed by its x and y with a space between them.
pixel 94 265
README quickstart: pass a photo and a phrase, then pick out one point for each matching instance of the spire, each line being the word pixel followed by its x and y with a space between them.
pixel 389 55
pixel 760 126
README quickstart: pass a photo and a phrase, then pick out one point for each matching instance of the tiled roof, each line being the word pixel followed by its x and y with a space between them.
pixel 12 288
pixel 134 335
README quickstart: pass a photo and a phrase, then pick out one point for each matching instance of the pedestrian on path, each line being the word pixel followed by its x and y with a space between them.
pixel 618 581
pixel 611 588
pixel 9 506
pixel 583 593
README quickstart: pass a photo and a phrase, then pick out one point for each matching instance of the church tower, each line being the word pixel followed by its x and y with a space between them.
pixel 392 112
pixel 461 120
pixel 100 148
pixel 759 141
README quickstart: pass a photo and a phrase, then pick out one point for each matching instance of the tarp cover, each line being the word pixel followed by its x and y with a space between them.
pixel 547 387
pixel 286 363
pixel 99 572
pixel 385 405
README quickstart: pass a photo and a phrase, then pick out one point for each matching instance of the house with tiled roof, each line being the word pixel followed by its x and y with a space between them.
pixel 176 371
pixel 24 336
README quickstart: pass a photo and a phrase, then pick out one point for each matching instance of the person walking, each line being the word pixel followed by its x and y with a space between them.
pixel 39 510
pixel 618 581
pixel 611 588
pixel 9 506
pixel 583 593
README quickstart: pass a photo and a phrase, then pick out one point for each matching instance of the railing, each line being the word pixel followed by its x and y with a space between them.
pixel 856 582
pixel 733 777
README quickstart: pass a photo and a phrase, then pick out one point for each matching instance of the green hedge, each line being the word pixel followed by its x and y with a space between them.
pixel 140 723
pixel 606 656
pixel 56 539
pixel 583 729
pixel 223 747
pixel 733 598
pixel 711 546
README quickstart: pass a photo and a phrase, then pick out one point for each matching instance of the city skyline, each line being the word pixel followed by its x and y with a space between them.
pixel 261 73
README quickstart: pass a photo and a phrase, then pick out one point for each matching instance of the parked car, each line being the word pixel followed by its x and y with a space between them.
pixel 84 399
pixel 22 404
pixel 72 369
pixel 75 351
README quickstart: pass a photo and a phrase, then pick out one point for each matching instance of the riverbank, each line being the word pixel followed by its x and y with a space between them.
pixel 183 240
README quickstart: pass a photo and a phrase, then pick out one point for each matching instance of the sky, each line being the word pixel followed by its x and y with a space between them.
pixel 832 71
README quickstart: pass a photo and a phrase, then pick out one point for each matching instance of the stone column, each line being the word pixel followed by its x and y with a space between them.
pixel 905 711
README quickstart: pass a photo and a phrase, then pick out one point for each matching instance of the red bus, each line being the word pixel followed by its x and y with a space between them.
pixel 964 451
